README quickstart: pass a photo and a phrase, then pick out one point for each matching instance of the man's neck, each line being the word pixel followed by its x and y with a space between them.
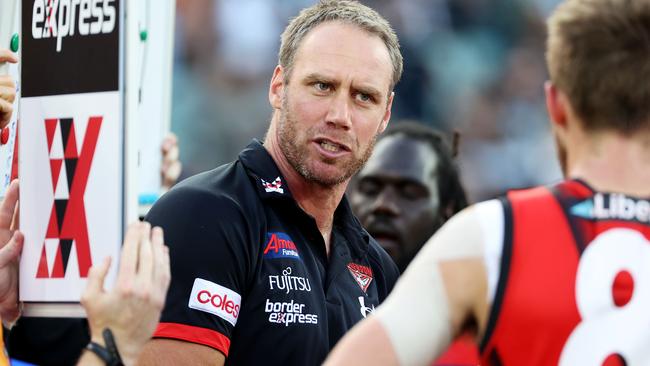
pixel 317 200
pixel 615 163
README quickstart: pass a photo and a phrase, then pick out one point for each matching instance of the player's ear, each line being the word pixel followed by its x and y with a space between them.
pixel 555 105
pixel 276 88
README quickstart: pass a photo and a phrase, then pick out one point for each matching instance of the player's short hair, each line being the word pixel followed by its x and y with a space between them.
pixel 451 192
pixel 598 54
pixel 346 11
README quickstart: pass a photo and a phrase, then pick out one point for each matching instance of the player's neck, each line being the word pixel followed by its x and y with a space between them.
pixel 317 200
pixel 612 162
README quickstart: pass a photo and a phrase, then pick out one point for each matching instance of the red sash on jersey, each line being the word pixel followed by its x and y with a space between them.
pixel 463 351
pixel 535 317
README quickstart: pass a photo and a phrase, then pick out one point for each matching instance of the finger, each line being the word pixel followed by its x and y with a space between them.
pixel 12 250
pixel 7 81
pixel 169 142
pixel 171 155
pixel 15 224
pixel 161 258
pixel 145 260
pixel 6 109
pixel 129 258
pixel 8 56
pixel 8 206
pixel 171 174
pixel 96 277
pixel 8 93
pixel 163 276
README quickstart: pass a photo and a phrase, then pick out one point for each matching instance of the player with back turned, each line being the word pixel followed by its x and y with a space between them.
pixel 554 275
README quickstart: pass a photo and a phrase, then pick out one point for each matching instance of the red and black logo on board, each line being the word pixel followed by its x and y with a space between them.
pixel 69 169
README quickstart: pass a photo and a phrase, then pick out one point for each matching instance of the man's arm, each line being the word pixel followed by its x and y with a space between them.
pixel 210 247
pixel 174 352
pixel 443 289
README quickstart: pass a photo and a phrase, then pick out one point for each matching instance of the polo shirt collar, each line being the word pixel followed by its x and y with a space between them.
pixel 271 185
pixel 262 168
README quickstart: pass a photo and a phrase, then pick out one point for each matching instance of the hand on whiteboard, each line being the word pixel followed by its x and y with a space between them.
pixel 171 167
pixel 132 308
pixel 7 88
pixel 11 244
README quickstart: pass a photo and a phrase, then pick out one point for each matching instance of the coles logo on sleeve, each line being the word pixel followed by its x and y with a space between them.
pixel 280 245
pixel 215 299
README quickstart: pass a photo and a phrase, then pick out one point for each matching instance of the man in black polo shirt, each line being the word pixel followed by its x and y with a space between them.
pixel 269 265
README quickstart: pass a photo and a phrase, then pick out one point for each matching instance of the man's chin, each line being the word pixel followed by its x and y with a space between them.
pixel 327 175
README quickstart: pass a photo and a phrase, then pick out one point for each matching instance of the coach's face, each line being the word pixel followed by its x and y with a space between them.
pixel 334 103
pixel 396 197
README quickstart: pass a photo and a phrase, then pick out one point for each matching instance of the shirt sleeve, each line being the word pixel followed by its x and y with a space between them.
pixel 209 240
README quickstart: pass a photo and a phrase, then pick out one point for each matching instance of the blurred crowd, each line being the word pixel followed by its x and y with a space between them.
pixel 472 66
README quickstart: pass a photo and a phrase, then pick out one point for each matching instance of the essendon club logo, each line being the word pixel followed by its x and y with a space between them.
pixel 67 228
pixel 361 274
pixel 275 186
pixel 280 245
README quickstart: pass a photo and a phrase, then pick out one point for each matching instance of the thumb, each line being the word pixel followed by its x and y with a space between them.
pixel 97 275
pixel 12 250
pixel 8 56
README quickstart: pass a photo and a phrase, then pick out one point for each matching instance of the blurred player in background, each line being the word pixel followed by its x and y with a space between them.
pixel 410 187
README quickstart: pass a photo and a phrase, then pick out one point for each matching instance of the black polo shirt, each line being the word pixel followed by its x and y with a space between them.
pixel 250 275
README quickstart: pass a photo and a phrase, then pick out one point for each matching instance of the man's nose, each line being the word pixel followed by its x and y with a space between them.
pixel 338 114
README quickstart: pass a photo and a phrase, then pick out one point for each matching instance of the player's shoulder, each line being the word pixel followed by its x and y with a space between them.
pixel 473 232
pixel 205 217
pixel 222 190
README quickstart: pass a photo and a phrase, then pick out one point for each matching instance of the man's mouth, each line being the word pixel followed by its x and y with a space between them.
pixel 331 146
pixel 388 240
pixel 331 149
pixel 326 145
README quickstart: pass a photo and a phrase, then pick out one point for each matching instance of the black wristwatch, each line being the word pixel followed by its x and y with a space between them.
pixel 108 354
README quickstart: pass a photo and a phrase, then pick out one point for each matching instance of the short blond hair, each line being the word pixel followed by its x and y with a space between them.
pixel 346 11
pixel 598 54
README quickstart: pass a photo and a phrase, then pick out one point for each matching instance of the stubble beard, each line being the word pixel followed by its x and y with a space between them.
pixel 297 154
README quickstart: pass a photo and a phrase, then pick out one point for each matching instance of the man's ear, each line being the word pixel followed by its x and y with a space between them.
pixel 276 88
pixel 386 119
pixel 555 105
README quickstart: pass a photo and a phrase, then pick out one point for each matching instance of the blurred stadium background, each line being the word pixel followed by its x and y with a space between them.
pixel 474 66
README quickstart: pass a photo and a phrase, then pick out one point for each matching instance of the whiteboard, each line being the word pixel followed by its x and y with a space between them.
pixel 152 60
pixel 72 148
